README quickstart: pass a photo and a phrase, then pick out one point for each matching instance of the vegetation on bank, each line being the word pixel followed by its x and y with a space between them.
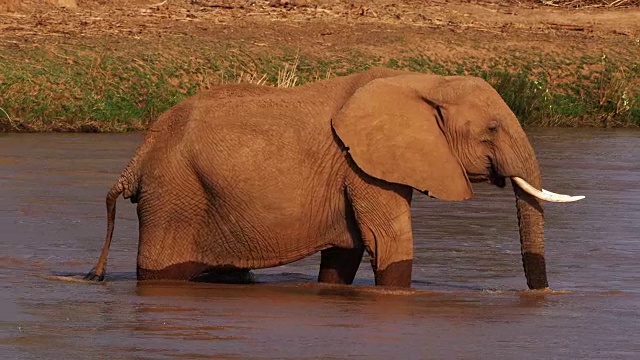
pixel 91 90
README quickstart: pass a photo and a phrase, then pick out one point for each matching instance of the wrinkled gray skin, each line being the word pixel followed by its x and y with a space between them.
pixel 244 177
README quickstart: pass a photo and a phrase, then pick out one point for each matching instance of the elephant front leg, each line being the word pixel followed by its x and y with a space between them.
pixel 391 258
pixel 339 265
pixel 383 215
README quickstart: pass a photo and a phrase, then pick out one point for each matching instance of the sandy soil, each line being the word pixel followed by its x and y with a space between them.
pixel 442 29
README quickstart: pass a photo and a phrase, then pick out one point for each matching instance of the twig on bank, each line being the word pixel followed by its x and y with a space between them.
pixel 158 4
pixel 549 3
pixel 585 4
pixel 245 5
pixel 10 120
pixel 617 3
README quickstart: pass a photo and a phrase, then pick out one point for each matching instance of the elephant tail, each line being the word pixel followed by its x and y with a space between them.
pixel 97 273
pixel 128 185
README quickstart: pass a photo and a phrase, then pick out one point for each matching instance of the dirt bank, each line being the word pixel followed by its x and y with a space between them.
pixel 77 65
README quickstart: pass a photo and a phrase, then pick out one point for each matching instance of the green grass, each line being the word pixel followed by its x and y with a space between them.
pixel 92 89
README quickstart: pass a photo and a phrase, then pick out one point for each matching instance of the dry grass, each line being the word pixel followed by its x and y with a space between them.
pixel 615 101
pixel 252 78
pixel 287 76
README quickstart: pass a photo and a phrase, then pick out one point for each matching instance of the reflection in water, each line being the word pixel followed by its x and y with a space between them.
pixel 467 299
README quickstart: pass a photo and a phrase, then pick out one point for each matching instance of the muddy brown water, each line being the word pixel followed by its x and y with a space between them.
pixel 468 299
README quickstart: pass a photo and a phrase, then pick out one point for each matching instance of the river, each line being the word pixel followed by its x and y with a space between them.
pixel 468 299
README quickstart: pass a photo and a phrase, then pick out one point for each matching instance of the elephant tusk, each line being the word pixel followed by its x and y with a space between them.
pixel 544 194
pixel 558 195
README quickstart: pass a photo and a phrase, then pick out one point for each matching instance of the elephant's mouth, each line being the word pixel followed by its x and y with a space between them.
pixel 491 176
pixel 495 178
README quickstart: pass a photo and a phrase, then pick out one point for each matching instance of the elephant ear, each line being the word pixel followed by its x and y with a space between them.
pixel 392 133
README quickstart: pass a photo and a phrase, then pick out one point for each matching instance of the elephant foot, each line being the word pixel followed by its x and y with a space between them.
pixel 92 276
pixel 397 274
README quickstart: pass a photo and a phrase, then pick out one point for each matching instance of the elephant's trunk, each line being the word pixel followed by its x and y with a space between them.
pixel 531 223
pixel 520 161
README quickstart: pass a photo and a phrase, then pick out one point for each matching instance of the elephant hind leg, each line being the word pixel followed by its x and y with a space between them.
pixel 339 265
pixel 199 272
pixel 227 276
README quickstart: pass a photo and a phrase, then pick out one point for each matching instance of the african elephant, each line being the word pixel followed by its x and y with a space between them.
pixel 244 177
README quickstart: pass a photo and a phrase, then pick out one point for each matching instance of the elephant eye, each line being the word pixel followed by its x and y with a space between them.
pixel 493 127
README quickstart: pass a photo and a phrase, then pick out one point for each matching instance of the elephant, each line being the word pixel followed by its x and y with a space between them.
pixel 242 177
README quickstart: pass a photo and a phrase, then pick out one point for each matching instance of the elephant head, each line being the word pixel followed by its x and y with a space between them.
pixel 439 134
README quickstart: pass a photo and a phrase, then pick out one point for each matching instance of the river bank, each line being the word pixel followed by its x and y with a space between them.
pixel 93 66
